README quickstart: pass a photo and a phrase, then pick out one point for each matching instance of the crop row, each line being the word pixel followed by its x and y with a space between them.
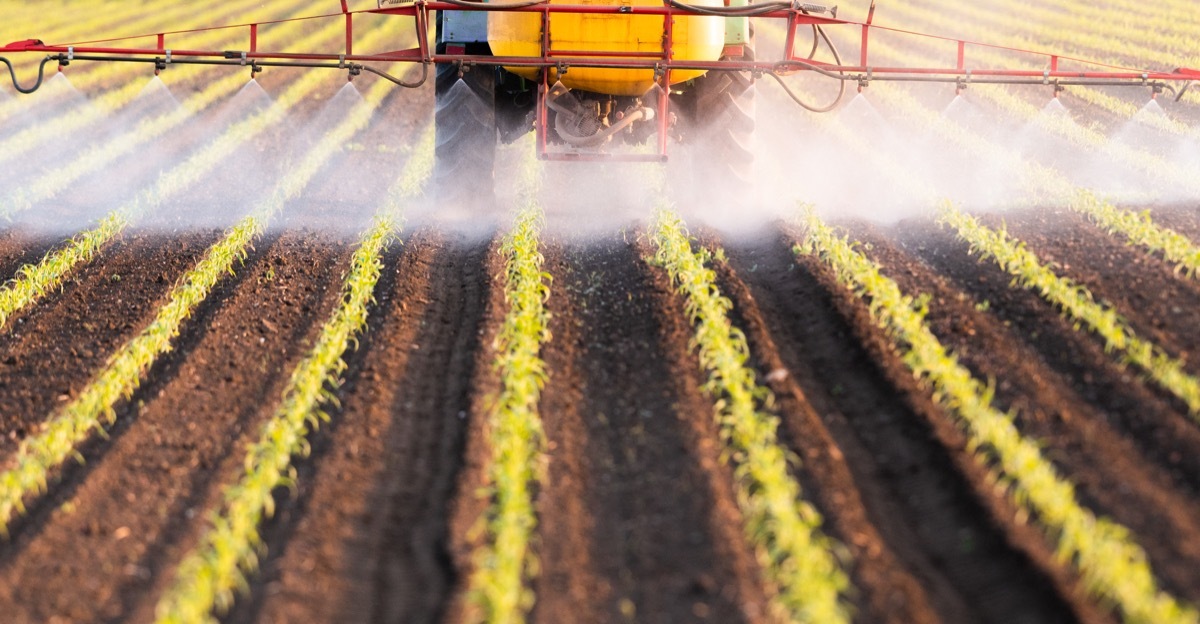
pixel 1076 303
pixel 34 280
pixel 1072 298
pixel 1113 567
pixel 106 153
pixel 505 560
pixel 797 560
pixel 77 118
pixel 210 573
pixel 1139 229
pixel 94 408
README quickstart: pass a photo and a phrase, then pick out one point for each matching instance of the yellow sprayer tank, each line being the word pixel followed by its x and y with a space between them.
pixel 696 38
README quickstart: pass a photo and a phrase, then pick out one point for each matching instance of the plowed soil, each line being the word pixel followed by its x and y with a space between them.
pixel 638 519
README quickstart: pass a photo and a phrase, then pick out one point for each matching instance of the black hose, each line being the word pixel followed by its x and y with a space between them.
pixel 840 76
pixel 407 85
pixel 41 72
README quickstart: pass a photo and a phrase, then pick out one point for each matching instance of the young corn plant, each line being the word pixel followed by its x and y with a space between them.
pixel 1076 303
pixel 1112 566
pixel 209 574
pixel 798 561
pixel 35 280
pixel 506 561
pixel 95 408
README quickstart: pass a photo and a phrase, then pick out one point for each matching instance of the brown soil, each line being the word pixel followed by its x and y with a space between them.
pixel 19 247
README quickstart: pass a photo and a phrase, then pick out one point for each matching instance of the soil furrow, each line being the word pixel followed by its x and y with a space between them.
pixel 469 503
pixel 144 498
pixel 930 541
pixel 1143 485
pixel 631 527
pixel 365 539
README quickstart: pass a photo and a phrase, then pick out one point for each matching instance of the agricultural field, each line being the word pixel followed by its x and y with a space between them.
pixel 939 362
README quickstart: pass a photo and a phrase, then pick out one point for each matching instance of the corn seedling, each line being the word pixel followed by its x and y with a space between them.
pixel 797 560
pixel 1112 566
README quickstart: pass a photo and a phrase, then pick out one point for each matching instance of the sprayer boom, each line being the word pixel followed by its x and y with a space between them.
pixel 551 59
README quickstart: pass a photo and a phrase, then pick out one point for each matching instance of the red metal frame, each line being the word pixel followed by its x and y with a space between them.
pixel 662 63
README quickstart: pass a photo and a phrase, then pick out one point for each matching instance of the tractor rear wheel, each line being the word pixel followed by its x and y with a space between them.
pixel 717 113
pixel 465 147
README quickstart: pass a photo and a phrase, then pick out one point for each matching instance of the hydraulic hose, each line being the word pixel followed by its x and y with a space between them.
pixel 41 73
pixel 839 76
pixel 407 85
